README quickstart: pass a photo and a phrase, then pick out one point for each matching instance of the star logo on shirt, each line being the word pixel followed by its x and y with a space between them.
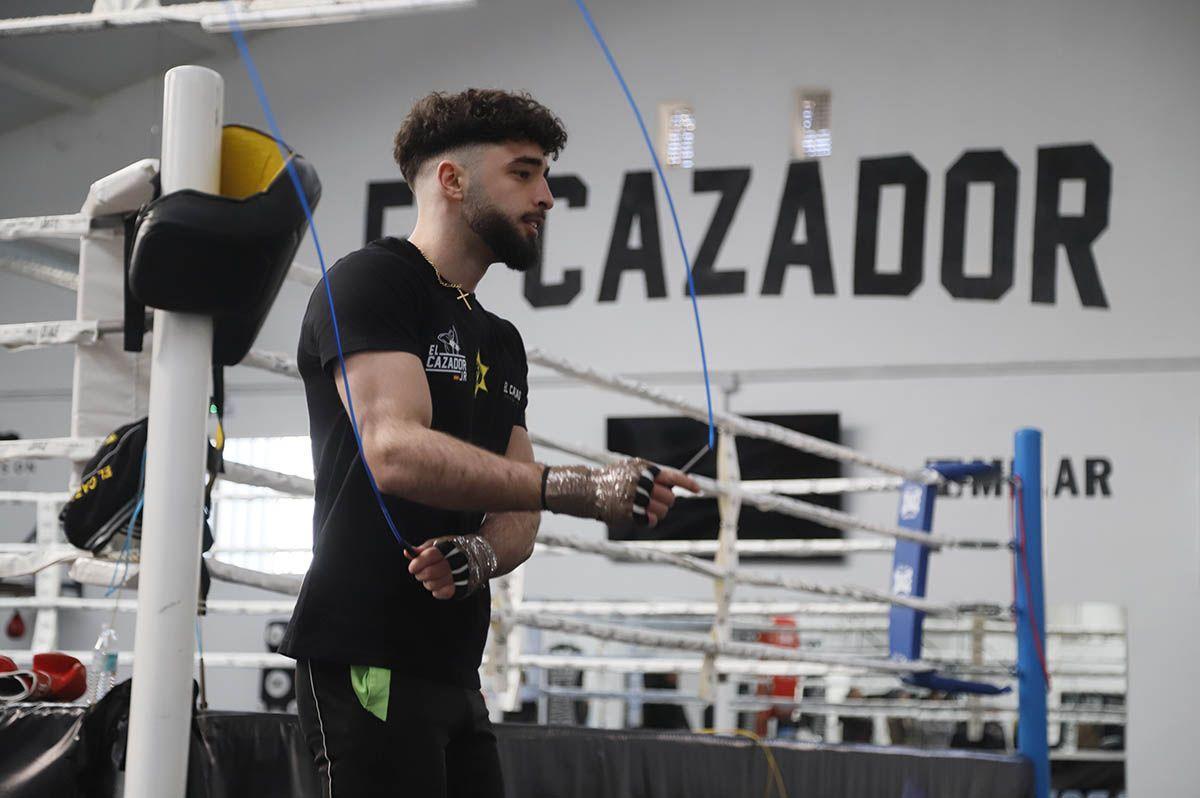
pixel 480 375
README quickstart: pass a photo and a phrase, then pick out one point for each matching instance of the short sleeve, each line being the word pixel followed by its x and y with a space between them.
pixel 378 302
pixel 521 375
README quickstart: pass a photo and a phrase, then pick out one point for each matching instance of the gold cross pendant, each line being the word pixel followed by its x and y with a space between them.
pixel 463 296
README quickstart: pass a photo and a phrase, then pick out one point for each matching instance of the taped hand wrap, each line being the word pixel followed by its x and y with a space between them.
pixel 472 562
pixel 614 493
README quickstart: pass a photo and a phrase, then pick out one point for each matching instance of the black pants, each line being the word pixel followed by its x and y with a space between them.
pixel 437 741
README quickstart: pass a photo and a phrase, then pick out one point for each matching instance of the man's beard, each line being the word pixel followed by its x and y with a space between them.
pixel 504 238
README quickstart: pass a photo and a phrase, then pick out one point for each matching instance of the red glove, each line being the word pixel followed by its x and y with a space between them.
pixel 64 677
pixel 15 684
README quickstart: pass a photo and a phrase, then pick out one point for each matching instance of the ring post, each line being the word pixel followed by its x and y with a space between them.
pixel 1032 718
pixel 161 702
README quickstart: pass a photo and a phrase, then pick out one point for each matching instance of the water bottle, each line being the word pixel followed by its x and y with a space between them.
pixel 103 673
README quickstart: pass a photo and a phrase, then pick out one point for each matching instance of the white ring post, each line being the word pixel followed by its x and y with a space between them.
pixel 729 510
pixel 160 707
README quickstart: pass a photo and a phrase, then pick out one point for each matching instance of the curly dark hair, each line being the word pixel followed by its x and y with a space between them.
pixel 441 121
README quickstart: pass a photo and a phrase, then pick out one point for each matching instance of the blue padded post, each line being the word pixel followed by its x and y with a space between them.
pixel 910 569
pixel 1031 731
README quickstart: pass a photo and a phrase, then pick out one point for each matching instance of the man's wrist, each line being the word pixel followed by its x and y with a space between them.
pixel 472 562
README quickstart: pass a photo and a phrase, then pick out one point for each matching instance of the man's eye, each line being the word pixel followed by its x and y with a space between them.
pixel 524 175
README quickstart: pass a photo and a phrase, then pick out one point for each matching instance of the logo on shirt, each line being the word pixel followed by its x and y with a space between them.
pixel 481 371
pixel 512 391
pixel 446 357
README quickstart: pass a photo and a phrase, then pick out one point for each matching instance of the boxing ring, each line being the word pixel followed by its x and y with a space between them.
pixel 708 650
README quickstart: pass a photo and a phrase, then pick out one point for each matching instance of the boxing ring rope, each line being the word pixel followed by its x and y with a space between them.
pixel 783 505
pixel 40 272
pixel 631 553
pixel 797 549
pixel 626 552
pixel 730 422
pixel 48 333
pixel 71 225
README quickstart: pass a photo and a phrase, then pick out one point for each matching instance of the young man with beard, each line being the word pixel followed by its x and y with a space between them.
pixel 388 645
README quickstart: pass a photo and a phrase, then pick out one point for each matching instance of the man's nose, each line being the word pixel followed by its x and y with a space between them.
pixel 545 199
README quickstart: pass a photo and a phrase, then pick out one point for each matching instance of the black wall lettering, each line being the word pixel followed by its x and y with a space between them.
pixel 1098 470
pixel 802 194
pixel 1066 478
pixel 732 184
pixel 538 293
pixel 980 166
pixel 382 195
pixel 637 201
pixel 989 486
pixel 873 175
pixel 1075 234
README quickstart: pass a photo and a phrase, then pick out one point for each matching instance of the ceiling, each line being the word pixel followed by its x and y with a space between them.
pixel 42 75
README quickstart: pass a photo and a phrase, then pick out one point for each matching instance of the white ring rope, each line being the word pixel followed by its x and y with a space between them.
pixel 823 486
pixel 851 707
pixel 288 483
pixel 50 275
pixel 775 548
pixel 243 474
pixel 701 609
pixel 285 365
pixel 704 644
pixel 288 584
pixel 633 553
pixel 82 449
pixel 14 565
pixel 211 606
pixel 788 506
pixel 31 497
pixel 72 225
pixel 31 335
pixel 729 422
pixel 77 449
pixel 274 362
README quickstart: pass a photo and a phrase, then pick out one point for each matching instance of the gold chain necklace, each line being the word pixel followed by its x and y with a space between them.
pixel 442 281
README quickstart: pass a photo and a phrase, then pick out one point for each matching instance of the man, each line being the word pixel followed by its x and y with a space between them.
pixel 389 645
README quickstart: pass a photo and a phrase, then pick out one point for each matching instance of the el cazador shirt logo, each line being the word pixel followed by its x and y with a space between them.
pixel 446 357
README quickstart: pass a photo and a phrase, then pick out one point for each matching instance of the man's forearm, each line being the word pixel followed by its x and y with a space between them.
pixel 433 468
pixel 511 536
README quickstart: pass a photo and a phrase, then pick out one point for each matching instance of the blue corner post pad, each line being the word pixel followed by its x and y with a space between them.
pixel 910 576
pixel 960 472
pixel 932 680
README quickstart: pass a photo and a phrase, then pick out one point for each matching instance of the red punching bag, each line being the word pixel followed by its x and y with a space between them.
pixel 16 625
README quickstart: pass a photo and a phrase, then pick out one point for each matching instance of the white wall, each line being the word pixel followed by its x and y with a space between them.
pixel 928 78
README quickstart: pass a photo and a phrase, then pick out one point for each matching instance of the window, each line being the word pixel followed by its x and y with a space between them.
pixel 677 135
pixel 811 133
pixel 260 528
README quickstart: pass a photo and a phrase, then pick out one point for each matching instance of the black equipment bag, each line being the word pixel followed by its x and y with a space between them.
pixel 104 505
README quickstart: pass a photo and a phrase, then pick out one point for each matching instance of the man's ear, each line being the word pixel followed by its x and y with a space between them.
pixel 451 179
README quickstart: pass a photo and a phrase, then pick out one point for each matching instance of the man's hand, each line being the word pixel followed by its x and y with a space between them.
pixel 431 570
pixel 454 566
pixel 631 490
pixel 662 498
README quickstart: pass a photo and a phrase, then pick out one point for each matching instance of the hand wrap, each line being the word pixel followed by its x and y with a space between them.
pixel 613 494
pixel 472 562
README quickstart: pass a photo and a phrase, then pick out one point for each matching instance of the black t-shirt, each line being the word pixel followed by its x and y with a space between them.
pixel 359 605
